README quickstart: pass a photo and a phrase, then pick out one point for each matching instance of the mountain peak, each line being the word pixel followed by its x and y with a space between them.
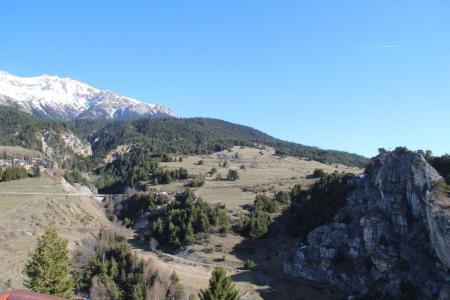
pixel 59 98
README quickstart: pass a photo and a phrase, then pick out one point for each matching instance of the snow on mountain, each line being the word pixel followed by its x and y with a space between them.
pixel 67 99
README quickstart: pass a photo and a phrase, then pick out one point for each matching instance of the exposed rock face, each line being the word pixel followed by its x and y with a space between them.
pixel 61 146
pixel 398 240
pixel 76 144
pixel 118 151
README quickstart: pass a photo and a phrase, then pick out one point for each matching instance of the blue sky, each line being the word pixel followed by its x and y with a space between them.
pixel 347 75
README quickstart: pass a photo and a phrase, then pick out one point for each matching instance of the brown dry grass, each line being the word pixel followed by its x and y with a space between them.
pixel 24 217
pixel 265 172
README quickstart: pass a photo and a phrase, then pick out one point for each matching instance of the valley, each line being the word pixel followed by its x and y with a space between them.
pixel 184 197
pixel 27 206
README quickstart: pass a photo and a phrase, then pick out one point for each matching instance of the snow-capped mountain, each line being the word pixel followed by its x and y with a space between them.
pixel 58 98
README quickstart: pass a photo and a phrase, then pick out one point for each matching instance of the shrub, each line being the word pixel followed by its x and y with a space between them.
pixel 264 203
pixel 282 197
pixel 212 171
pixel 232 175
pixel 249 264
pixel 318 173
pixel 196 182
pixel 256 224
pixel 320 203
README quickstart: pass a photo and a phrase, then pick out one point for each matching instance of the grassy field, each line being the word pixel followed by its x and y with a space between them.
pixel 264 172
pixel 19 152
pixel 24 217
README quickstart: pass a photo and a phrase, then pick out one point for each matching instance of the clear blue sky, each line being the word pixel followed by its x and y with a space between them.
pixel 348 75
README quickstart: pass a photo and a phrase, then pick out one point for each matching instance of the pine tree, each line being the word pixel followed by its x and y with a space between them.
pixel 48 270
pixel 176 289
pixel 220 287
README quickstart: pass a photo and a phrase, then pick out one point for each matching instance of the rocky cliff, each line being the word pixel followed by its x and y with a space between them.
pixel 396 239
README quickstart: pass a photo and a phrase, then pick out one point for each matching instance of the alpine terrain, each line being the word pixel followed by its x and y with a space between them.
pixel 52 97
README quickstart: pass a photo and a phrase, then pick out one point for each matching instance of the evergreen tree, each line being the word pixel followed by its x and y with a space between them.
pixel 176 289
pixel 220 287
pixel 117 272
pixel 48 270
pixel 232 175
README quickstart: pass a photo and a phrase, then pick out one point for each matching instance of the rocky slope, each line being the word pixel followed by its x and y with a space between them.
pixel 58 98
pixel 396 240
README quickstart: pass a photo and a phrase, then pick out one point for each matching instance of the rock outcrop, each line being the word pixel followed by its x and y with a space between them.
pixel 397 242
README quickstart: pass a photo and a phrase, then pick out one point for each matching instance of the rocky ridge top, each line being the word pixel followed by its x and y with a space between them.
pixel 396 241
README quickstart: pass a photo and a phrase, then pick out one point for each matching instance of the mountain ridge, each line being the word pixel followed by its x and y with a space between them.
pixel 163 135
pixel 58 98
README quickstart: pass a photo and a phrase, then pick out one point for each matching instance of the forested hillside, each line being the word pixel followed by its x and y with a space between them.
pixel 21 129
pixel 161 135
pixel 199 136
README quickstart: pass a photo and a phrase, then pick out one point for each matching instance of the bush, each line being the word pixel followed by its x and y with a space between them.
pixel 13 173
pixel 256 224
pixel 440 163
pixel 320 203
pixel 318 173
pixel 296 193
pixel 75 176
pixel 282 197
pixel 264 203
pixel 196 182
pixel 212 171
pixel 232 175
pixel 249 264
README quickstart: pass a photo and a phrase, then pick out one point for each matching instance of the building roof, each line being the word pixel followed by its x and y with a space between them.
pixel 26 295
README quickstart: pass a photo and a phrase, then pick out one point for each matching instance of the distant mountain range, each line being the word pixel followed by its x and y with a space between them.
pixel 56 98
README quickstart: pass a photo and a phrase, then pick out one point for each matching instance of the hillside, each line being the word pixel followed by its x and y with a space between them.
pixel 200 136
pixel 259 171
pixel 169 135
pixel 55 139
pixel 28 206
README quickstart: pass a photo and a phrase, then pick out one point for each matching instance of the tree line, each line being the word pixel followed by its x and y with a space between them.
pixel 17 173
pixel 197 136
